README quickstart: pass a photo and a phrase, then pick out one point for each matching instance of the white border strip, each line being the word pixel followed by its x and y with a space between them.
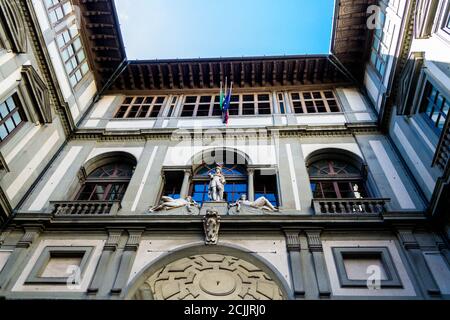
pixel 293 177
pixel 144 178
pixel 55 179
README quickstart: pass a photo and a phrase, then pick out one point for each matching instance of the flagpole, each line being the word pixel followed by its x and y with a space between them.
pixel 221 95
pixel 226 86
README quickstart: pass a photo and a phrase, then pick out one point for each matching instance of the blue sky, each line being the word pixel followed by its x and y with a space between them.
pixel 167 29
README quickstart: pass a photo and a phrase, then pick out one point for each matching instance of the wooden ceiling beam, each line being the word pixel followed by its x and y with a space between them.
pixel 211 75
pixel 191 76
pixel 201 78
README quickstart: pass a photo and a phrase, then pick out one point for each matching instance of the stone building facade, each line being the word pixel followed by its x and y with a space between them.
pixel 351 148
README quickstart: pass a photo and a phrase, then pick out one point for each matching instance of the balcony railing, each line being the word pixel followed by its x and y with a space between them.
pixel 350 206
pixel 85 208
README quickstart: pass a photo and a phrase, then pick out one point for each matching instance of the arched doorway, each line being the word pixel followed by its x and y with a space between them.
pixel 209 273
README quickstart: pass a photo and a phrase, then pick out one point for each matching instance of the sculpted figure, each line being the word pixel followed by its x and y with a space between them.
pixel 260 203
pixel 216 185
pixel 356 192
pixel 168 203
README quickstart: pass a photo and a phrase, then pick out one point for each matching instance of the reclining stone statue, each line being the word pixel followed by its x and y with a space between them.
pixel 260 203
pixel 168 203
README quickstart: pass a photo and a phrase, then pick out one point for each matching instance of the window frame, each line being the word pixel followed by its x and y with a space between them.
pixel 109 183
pixel 197 179
pixel 70 44
pixel 385 31
pixel 129 106
pixel 323 99
pixel 55 6
pixel 20 110
pixel 214 105
pixel 336 179
pixel 429 80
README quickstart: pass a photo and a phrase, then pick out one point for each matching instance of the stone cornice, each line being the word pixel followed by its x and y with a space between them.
pixel 282 132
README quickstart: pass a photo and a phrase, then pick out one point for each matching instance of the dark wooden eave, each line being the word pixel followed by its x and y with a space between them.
pixel 244 72
pixel 351 36
pixel 102 37
pixel 106 51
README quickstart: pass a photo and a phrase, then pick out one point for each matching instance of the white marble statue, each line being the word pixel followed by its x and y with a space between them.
pixel 168 203
pixel 356 192
pixel 216 185
pixel 260 203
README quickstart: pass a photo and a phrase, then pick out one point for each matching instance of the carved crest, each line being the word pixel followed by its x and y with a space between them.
pixel 211 225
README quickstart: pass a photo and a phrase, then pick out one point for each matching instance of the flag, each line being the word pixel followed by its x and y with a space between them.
pixel 226 105
pixel 222 96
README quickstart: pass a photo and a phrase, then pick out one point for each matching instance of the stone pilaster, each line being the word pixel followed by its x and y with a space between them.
pixel 31 233
pixel 417 260
pixel 128 255
pixel 294 250
pixel 320 269
pixel 108 250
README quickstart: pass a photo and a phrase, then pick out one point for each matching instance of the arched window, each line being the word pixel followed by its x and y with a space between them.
pixel 336 179
pixel 237 182
pixel 107 183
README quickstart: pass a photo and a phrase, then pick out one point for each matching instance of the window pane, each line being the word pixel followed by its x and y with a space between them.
pixel 3 110
pixel 191 99
pixel 155 111
pixel 10 125
pixel 188 111
pixel 203 110
pixel 143 111
pixel 3 132
pixel 16 117
pixel 248 108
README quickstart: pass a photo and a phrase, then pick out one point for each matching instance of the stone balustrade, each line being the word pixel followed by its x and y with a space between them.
pixel 349 206
pixel 68 208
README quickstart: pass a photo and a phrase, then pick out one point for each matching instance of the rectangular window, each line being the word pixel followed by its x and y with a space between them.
pixel 10 116
pixel 446 20
pixel 281 103
pixel 172 107
pixel 382 38
pixel 435 106
pixel 314 102
pixel 245 104
pixel 266 186
pixel 72 54
pixel 141 107
pixel 173 180
pixel 58 10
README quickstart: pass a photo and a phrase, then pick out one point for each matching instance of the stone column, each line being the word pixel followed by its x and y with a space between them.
pixel 15 260
pixel 185 186
pixel 251 187
pixel 417 260
pixel 108 250
pixel 294 249
pixel 320 269
pixel 126 261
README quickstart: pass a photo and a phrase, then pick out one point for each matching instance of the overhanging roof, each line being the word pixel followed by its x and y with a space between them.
pixel 106 51
pixel 244 72
pixel 351 36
